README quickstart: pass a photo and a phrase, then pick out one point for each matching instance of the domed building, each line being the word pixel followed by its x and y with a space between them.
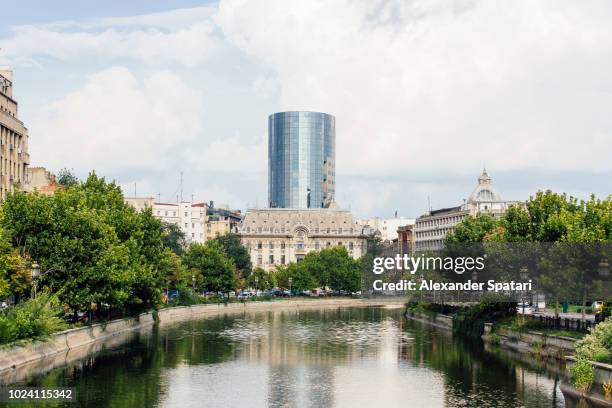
pixel 485 198
pixel 431 228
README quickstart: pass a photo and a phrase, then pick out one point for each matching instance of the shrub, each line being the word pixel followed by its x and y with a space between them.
pixel 492 308
pixel 582 374
pixel 597 345
pixel 32 319
pixel 494 339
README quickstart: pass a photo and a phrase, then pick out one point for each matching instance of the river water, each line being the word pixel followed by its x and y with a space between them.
pixel 348 357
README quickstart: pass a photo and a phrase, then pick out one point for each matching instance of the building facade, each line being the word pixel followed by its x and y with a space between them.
pixel 387 228
pixel 301 160
pixel 221 221
pixel 40 180
pixel 275 236
pixel 14 157
pixel 189 217
pixel 431 228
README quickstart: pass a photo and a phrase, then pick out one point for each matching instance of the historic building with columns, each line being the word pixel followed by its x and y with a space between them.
pixel 277 236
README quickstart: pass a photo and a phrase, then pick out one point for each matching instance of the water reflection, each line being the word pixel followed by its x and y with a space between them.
pixel 317 358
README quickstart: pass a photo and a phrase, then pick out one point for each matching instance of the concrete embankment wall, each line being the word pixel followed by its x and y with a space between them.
pixel 71 344
pixel 532 342
pixel 433 319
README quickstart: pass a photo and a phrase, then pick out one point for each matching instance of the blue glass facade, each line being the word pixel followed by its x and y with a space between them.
pixel 301 159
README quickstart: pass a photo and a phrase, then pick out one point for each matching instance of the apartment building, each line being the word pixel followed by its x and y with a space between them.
pixel 14 157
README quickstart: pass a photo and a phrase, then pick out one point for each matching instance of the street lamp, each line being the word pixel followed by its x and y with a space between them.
pixel 603 268
pixel 290 282
pixel 35 270
pixel 256 283
pixel 193 281
pixel 524 276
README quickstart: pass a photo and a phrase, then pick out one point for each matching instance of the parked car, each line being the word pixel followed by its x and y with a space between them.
pixel 280 293
pixel 524 308
pixel 246 294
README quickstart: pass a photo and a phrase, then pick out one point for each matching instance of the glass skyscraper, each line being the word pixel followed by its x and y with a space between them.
pixel 301 159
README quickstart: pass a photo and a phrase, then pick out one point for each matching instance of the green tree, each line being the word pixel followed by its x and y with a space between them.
pixel 66 178
pixel 473 229
pixel 173 237
pixel 213 269
pixel 334 268
pixel 261 279
pixel 175 273
pixel 97 248
pixel 14 274
pixel 237 252
pixel 297 272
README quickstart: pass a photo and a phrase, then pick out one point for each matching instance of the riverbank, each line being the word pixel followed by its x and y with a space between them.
pixel 68 345
pixel 544 346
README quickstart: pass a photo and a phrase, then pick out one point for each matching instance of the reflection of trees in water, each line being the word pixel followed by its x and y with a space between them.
pixel 124 377
pixel 475 377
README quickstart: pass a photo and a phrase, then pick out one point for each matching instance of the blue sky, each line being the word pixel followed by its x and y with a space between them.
pixel 425 94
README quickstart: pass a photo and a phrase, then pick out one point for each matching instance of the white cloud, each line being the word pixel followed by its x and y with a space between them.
pixel 439 85
pixel 423 91
pixel 181 36
pixel 116 123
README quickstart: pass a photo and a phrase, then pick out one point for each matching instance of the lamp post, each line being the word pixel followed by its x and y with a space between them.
pixel 35 270
pixel 193 282
pixel 256 284
pixel 524 276
pixel 603 268
pixel 290 282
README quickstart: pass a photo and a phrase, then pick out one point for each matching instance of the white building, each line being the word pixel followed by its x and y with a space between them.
pixel 190 217
pixel 387 227
pixel 431 228
pixel 277 236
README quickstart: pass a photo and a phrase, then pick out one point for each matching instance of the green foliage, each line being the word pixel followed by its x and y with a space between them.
pixel 547 217
pixel 301 279
pixel 494 339
pixel 33 318
pixel 334 268
pixel 260 279
pixel 472 229
pixel 582 374
pixel 14 273
pixel 213 269
pixel 422 306
pixel 331 267
pixel 236 252
pixel 597 345
pixel 173 237
pixel 98 249
pixel 175 274
pixel 492 308
pixel 66 178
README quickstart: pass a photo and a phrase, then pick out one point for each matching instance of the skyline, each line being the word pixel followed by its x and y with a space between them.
pixel 420 111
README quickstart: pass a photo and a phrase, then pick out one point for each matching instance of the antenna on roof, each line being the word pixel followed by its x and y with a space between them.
pixel 181 186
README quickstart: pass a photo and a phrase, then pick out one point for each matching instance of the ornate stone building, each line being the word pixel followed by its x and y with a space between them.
pixel 277 236
pixel 14 157
pixel 431 228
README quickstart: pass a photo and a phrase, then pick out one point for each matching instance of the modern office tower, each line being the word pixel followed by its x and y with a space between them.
pixel 301 160
pixel 14 157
